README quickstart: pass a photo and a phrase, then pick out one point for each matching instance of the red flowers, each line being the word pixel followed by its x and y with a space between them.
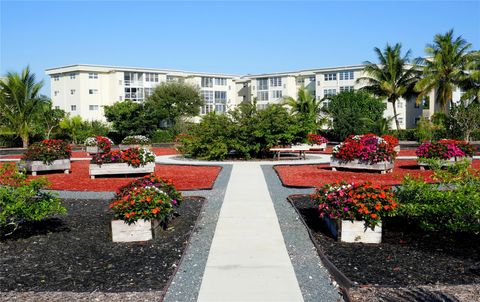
pixel 368 147
pixel 316 139
pixel 48 150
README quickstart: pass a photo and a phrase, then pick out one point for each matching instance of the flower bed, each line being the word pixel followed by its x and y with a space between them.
pixel 130 161
pixel 447 150
pixel 47 155
pixel 98 144
pixel 135 141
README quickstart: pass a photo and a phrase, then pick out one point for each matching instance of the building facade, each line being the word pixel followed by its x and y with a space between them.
pixel 85 89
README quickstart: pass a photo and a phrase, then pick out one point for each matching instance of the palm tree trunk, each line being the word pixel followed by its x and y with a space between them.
pixel 24 140
pixel 395 114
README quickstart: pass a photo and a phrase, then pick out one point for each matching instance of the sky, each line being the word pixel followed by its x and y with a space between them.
pixel 231 37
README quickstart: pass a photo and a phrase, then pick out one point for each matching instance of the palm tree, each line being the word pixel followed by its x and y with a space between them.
pixel 306 107
pixel 391 78
pixel 470 82
pixel 443 68
pixel 20 102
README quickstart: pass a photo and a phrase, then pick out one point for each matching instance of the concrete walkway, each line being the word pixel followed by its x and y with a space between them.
pixel 248 260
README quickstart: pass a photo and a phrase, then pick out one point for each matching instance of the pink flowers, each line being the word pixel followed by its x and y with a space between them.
pixel 369 148
pixel 445 149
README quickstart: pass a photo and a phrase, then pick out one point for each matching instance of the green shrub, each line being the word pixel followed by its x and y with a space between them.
pixel 406 134
pixel 22 201
pixel 451 205
pixel 162 136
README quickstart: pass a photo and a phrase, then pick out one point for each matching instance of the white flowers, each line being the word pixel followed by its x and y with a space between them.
pixel 136 140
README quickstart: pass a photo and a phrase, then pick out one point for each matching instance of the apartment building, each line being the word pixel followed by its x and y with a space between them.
pixel 85 89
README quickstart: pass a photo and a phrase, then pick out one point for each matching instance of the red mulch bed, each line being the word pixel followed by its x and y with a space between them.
pixel 318 175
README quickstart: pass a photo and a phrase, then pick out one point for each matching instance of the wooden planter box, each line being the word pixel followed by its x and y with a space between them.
pixel 446 162
pixel 356 164
pixel 37 166
pixel 119 168
pixel 353 231
pixel 125 147
pixel 141 230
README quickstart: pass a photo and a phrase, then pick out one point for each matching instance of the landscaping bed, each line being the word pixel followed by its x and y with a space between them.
pixel 318 175
pixel 407 256
pixel 76 253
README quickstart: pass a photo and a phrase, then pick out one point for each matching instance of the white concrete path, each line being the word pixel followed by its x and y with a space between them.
pixel 248 260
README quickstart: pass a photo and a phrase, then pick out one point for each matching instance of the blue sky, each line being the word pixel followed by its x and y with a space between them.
pixel 222 36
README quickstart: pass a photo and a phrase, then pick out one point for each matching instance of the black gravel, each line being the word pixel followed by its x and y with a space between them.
pixel 407 256
pixel 75 252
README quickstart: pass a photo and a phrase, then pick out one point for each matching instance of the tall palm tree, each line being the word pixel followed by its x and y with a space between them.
pixel 470 82
pixel 391 78
pixel 19 102
pixel 306 107
pixel 443 68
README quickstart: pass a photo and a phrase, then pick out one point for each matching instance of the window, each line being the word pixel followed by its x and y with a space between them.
pixel 399 104
pixel 93 107
pixel 120 98
pixel 93 75
pixel 134 94
pixel 92 91
pixel 329 92
pixel 318 83
pixel 262 84
pixel 262 96
pixel 311 78
pixel 151 77
pixel 220 101
pixel 73 76
pixel 208 101
pixel 276 82
pixel 132 78
pixel 148 92
pixel 346 88
pixel 261 106
pixel 221 81
pixel 171 79
pixel 330 77
pixel 56 92
pixel 207 82
pixel 73 108
pixel 56 77
pixel 346 75
pixel 72 91
pixel 119 82
pixel 300 81
pixel 400 120
pixel 57 107
pixel 276 94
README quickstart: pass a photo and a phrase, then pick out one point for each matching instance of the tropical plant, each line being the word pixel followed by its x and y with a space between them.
pixel 391 78
pixel 72 126
pixel 463 120
pixel 306 107
pixel 50 118
pixel 444 68
pixel 470 82
pixel 47 151
pixel 20 103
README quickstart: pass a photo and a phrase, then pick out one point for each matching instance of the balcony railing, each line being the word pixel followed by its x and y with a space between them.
pixel 133 83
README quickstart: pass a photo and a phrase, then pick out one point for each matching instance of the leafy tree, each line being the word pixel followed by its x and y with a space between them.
pixel 463 120
pixel 171 102
pixel 128 118
pixel 50 118
pixel 443 68
pixel 306 108
pixel 72 126
pixel 20 102
pixel 350 110
pixel 391 78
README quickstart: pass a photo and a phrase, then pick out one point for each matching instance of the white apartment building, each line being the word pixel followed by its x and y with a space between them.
pixel 85 89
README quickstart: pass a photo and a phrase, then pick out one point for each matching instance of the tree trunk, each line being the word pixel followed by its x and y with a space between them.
pixel 395 114
pixel 24 140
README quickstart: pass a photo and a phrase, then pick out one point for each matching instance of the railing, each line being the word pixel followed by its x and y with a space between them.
pixel 133 83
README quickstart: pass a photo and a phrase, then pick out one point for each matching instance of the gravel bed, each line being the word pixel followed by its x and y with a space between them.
pixel 314 280
pixel 75 253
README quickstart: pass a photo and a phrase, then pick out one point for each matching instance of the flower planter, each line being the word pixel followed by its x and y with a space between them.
pixel 141 230
pixel 356 164
pixel 125 147
pixel 446 162
pixel 93 150
pixel 37 166
pixel 119 168
pixel 320 147
pixel 353 231
pixel 396 149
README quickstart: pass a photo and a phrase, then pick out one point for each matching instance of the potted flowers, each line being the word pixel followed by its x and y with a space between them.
pixel 143 208
pixel 366 152
pixel 448 151
pixel 317 142
pixel 98 144
pixel 48 155
pixel 135 141
pixel 130 161
pixel 353 212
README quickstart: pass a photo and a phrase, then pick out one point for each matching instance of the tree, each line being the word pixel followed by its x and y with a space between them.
pixel 172 101
pixel 350 111
pixel 391 78
pixel 306 108
pixel 463 120
pixel 72 126
pixel 443 68
pixel 50 118
pixel 128 118
pixel 20 102
pixel 470 82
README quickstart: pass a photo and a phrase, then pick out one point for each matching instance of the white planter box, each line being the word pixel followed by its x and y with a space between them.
pixel 396 149
pixel 125 147
pixel 119 168
pixel 354 231
pixel 93 149
pixel 318 147
pixel 141 230
pixel 37 165
pixel 383 167
pixel 446 162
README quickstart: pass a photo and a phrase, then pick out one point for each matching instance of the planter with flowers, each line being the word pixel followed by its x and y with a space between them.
pixel 130 161
pixel 365 152
pixel 143 208
pixel 135 141
pixel 353 212
pixel 449 151
pixel 98 144
pixel 317 142
pixel 47 155
pixel 393 141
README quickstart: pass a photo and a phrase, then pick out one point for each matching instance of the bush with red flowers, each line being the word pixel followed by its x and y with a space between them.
pixel 47 151
pixel 367 148
pixel 350 201
pixel 315 139
pixel 390 139
pixel 134 157
pixel 445 149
